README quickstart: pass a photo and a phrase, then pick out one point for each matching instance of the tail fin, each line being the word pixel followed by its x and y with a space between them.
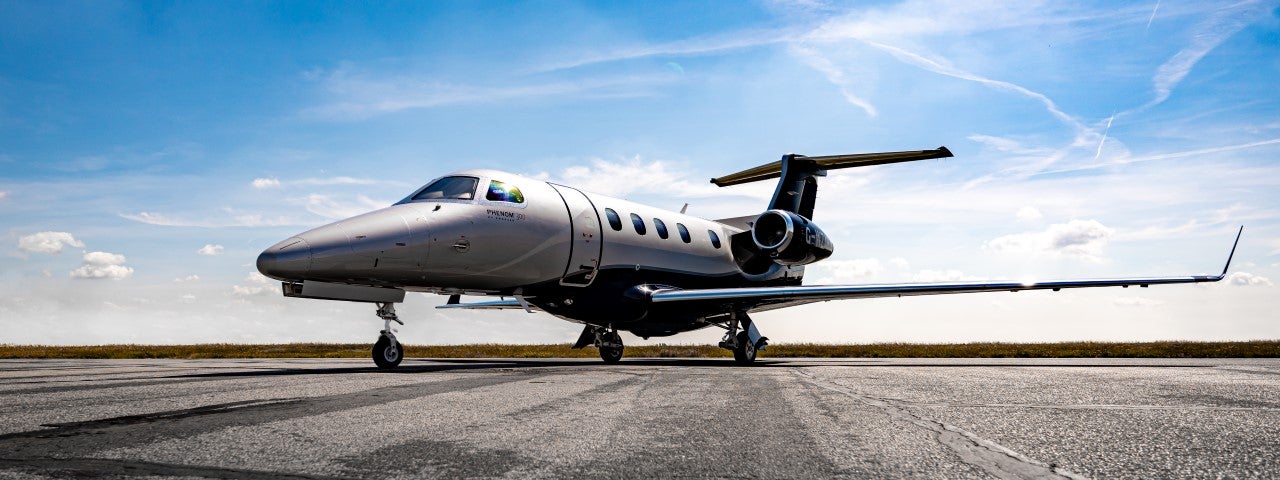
pixel 798 189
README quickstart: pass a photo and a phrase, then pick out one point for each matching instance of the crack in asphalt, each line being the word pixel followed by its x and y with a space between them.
pixel 991 457
pixel 100 467
pixel 74 443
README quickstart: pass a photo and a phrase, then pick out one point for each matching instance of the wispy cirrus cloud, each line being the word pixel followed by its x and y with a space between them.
pixel 1207 35
pixel 355 95
pixel 241 220
pixel 334 208
pixel 272 182
pixel 835 75
pixel 694 46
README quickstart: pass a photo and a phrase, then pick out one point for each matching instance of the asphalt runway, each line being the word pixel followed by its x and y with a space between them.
pixel 643 418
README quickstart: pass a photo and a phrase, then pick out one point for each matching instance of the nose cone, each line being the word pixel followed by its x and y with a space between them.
pixel 287 260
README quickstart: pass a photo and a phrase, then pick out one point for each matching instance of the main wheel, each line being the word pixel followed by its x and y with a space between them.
pixel 611 351
pixel 386 355
pixel 611 354
pixel 745 352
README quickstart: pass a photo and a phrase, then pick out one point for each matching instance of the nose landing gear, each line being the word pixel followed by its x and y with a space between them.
pixel 387 352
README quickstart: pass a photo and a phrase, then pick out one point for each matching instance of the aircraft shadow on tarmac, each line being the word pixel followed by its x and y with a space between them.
pixel 411 366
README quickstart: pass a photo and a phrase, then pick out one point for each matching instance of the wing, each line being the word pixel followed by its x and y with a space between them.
pixel 770 298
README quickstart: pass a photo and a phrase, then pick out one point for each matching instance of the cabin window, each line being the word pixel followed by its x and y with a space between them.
pixel 614 221
pixel 715 239
pixel 684 233
pixel 449 188
pixel 501 192
pixel 638 222
pixel 661 228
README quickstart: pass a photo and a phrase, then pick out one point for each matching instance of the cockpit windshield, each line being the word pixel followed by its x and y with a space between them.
pixel 449 188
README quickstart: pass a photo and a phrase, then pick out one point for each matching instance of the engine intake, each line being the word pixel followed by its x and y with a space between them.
pixel 789 238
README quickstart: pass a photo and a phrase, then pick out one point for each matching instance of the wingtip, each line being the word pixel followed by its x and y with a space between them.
pixel 946 152
pixel 1227 267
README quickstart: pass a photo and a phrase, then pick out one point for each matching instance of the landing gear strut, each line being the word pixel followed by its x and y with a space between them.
pixel 744 342
pixel 387 352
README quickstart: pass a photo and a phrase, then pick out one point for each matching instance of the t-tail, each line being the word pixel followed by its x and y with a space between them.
pixel 798 186
pixel 785 233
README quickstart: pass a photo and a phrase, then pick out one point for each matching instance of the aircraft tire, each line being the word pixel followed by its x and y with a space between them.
pixel 745 352
pixel 611 354
pixel 386 356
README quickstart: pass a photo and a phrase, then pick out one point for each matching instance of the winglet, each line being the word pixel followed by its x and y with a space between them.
pixel 1233 253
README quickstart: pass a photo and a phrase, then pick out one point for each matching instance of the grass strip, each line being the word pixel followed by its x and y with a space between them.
pixel 1162 349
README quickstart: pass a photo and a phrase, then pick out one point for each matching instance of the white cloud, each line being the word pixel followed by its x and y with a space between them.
pixel 900 263
pixel 48 242
pixel 1136 302
pixel 331 208
pixel 265 182
pixel 4 195
pixel 1029 214
pixel 653 177
pixel 103 265
pixel 320 182
pixel 188 278
pixel 210 249
pixel 843 271
pixel 254 284
pixel 1078 238
pixel 932 276
pixel 1245 279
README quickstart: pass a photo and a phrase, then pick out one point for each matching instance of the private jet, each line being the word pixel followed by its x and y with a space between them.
pixel 603 262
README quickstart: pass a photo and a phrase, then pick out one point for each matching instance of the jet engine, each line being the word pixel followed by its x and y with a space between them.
pixel 790 239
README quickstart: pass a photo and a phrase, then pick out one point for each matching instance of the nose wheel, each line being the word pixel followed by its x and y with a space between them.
pixel 387 351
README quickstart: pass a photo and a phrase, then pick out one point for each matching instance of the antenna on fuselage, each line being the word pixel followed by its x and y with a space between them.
pixel 682 209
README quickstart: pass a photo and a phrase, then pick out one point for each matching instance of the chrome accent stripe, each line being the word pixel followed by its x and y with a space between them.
pixel 888 290
pixel 493 305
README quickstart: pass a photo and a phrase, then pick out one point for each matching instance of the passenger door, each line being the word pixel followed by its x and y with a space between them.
pixel 586 244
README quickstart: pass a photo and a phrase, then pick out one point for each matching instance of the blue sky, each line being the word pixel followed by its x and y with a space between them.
pixel 150 150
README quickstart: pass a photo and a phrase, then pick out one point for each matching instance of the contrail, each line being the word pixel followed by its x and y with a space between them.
pixel 1104 136
pixel 1153 17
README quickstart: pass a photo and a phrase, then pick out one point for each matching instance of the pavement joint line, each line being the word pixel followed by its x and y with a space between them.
pixel 990 456
pixel 1091 407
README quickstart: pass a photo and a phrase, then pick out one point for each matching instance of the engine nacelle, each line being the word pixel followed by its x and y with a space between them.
pixel 790 239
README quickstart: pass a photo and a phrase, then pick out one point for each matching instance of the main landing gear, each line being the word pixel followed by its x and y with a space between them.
pixel 387 352
pixel 606 339
pixel 745 342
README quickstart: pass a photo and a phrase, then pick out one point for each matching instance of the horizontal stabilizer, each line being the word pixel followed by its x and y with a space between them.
pixel 831 162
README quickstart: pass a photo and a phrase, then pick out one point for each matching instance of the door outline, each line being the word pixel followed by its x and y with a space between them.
pixel 575 276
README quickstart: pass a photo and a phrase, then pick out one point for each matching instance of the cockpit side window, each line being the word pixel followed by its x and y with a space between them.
pixel 449 188
pixel 502 192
